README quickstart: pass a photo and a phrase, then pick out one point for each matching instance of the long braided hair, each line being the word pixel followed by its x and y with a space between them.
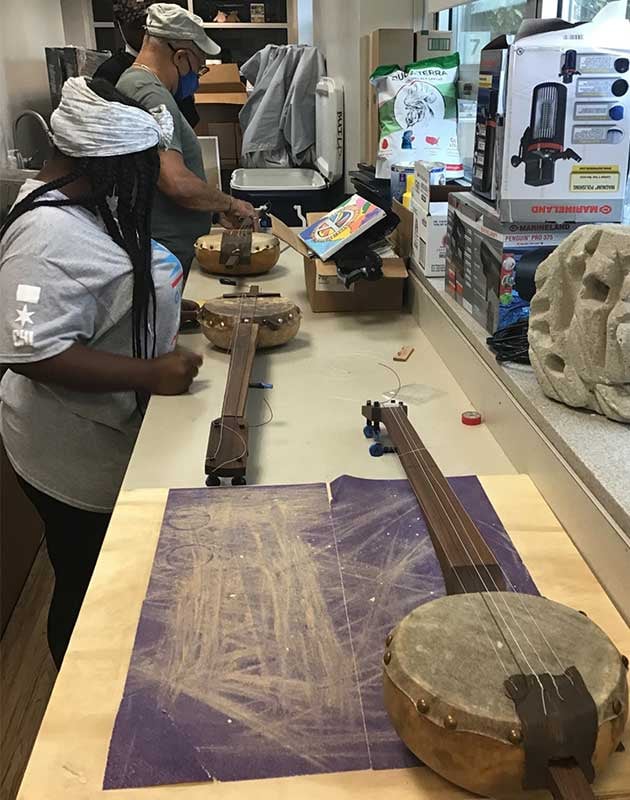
pixel 130 179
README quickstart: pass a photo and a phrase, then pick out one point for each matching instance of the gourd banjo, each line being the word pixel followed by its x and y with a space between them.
pixel 241 323
pixel 237 253
pixel 500 693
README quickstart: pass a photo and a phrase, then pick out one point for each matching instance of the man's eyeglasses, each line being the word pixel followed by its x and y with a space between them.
pixel 201 71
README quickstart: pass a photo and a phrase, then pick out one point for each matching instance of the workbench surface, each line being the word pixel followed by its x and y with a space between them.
pixel 320 381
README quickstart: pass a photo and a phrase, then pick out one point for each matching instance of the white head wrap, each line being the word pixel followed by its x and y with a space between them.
pixel 86 126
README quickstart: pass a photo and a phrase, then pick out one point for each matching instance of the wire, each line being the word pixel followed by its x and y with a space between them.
pixel 511 343
pixel 242 454
pixel 267 421
pixel 394 394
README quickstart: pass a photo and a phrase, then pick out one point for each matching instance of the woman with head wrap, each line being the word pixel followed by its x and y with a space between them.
pixel 89 313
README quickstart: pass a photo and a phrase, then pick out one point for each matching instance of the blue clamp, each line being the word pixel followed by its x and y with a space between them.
pixel 368 431
pixel 378 449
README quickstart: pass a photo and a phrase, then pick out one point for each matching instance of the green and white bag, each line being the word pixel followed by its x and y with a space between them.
pixel 417 114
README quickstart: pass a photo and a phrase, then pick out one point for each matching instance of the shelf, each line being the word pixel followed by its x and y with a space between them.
pixel 226 26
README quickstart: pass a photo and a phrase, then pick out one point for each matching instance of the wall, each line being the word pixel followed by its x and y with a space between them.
pixel 78 23
pixel 34 24
pixel 337 31
pixel 5 139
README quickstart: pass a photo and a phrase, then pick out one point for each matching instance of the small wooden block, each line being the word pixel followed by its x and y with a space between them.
pixel 404 354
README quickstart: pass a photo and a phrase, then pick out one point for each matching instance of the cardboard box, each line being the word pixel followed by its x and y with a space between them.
pixel 429 239
pixel 221 84
pixel 430 214
pixel 326 291
pixel 429 188
pixel 229 137
pixel 219 101
pixel 402 238
pixel 560 150
pixel 429 44
pixel 483 256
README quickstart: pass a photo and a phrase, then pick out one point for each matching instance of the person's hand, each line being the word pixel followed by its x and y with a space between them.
pixel 173 373
pixel 240 215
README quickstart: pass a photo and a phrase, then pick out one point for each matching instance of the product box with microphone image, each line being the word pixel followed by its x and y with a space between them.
pixel 553 132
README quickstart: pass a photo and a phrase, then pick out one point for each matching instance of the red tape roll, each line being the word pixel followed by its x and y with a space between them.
pixel 471 418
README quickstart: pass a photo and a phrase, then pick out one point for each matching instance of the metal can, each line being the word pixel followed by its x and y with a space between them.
pixel 399 179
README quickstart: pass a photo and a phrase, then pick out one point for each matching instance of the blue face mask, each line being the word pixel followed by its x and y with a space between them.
pixel 187 85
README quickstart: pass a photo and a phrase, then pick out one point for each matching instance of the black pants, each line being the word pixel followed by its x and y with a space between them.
pixel 74 538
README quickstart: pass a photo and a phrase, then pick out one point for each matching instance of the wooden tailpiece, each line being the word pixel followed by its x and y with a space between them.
pixel 226 456
pixel 468 564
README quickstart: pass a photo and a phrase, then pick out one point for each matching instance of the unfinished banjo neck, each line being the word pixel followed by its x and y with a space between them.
pixel 241 323
pixel 226 455
pixel 468 564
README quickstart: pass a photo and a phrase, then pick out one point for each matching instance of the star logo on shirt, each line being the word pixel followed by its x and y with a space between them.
pixel 24 317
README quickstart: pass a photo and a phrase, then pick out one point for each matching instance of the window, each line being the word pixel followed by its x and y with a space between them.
pixel 477 23
pixel 582 10
pixel 474 25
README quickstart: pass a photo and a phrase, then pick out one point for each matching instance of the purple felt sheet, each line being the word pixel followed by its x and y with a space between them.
pixel 258 651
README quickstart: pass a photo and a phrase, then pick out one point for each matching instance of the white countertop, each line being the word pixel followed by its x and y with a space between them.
pixel 320 379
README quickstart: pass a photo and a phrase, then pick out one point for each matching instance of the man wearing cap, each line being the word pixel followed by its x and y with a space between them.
pixel 167 68
pixel 130 17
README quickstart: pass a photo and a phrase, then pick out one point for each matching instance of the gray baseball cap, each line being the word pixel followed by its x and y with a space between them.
pixel 169 21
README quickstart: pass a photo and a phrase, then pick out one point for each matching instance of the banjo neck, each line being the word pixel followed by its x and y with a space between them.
pixel 240 370
pixel 227 451
pixel 240 323
pixel 467 563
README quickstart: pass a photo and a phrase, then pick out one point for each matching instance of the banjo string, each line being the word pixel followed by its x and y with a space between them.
pixel 428 476
pixel 489 594
pixel 242 300
pixel 231 460
pixel 238 435
pixel 477 612
pixel 458 512
pixel 546 670
pixel 229 375
pixel 524 607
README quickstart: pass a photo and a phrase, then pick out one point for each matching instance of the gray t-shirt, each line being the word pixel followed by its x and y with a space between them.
pixel 175 227
pixel 64 281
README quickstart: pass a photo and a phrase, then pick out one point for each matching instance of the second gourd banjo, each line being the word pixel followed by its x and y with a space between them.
pixel 500 693
pixel 241 323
